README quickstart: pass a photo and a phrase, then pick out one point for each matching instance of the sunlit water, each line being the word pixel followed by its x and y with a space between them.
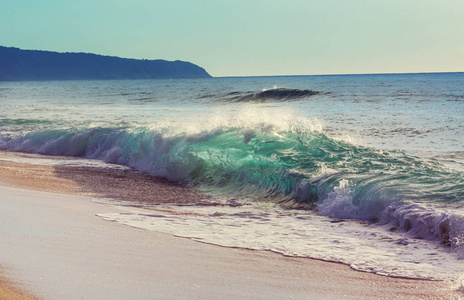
pixel 361 169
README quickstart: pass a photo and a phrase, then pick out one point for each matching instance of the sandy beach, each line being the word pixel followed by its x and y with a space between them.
pixel 8 292
pixel 55 247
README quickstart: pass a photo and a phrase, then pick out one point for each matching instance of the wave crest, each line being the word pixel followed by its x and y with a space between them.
pixel 275 94
pixel 281 160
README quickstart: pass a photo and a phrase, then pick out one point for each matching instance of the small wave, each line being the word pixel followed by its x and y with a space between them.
pixel 9 122
pixel 275 94
pixel 422 221
pixel 426 223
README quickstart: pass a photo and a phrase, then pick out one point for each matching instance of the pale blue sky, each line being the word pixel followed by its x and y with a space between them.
pixel 253 37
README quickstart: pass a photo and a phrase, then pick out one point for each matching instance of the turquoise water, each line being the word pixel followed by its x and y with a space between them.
pixel 384 149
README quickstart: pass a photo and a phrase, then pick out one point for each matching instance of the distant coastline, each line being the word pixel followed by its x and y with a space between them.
pixel 36 65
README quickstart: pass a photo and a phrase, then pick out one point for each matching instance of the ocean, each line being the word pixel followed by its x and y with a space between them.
pixel 366 170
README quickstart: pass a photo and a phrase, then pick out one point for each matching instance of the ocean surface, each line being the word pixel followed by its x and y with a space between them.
pixel 367 170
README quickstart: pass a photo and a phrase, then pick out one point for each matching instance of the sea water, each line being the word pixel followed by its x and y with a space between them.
pixel 367 170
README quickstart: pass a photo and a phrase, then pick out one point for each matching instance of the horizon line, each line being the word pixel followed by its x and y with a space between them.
pixel 343 74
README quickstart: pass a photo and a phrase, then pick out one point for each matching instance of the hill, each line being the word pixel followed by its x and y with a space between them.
pixel 19 65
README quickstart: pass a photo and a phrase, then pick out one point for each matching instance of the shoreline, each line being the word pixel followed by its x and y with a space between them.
pixel 188 269
pixel 67 176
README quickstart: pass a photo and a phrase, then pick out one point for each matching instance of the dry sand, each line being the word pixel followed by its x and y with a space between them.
pixel 54 247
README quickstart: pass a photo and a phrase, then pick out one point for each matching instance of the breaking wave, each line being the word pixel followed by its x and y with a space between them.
pixel 295 165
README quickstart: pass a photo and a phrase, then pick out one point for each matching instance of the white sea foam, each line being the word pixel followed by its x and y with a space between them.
pixel 339 203
pixel 299 233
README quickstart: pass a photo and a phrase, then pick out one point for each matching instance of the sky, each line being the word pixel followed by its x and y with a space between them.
pixel 252 37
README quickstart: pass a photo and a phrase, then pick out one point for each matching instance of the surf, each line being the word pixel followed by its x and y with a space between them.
pixel 285 162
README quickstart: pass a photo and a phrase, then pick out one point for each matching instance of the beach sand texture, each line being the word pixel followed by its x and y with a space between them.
pixel 10 293
pixel 55 247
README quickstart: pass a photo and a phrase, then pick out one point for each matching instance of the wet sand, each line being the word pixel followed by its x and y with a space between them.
pixel 54 247
pixel 34 172
pixel 8 292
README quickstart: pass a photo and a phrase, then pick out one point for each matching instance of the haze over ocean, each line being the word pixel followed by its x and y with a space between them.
pixel 250 38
